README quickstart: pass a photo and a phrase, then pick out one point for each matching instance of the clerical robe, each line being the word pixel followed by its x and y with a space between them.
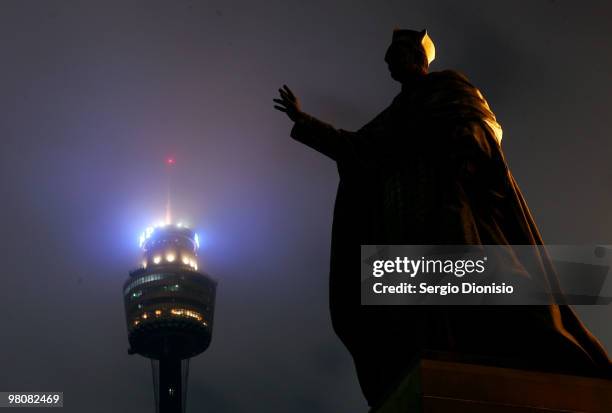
pixel 429 170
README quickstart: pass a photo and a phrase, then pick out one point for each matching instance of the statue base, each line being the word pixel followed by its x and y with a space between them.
pixel 436 385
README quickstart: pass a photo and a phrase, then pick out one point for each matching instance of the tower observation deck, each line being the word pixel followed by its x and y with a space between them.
pixel 169 307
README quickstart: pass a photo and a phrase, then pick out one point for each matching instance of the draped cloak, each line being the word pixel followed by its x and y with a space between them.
pixel 429 170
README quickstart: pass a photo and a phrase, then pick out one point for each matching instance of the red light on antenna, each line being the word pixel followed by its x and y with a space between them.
pixel 170 161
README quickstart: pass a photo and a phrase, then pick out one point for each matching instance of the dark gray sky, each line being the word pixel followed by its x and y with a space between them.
pixel 94 95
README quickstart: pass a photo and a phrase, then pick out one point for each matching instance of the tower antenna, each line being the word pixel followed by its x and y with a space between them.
pixel 170 162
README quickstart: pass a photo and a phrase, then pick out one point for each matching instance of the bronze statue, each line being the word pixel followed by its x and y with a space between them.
pixel 429 169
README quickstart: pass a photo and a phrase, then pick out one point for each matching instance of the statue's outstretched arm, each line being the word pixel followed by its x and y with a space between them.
pixel 336 143
pixel 321 136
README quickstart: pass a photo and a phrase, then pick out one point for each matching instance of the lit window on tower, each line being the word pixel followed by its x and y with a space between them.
pixel 186 313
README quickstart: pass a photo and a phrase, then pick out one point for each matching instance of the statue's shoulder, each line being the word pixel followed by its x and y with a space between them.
pixel 448 78
pixel 451 95
pixel 449 87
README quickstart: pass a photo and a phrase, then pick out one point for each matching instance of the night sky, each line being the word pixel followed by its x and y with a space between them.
pixel 95 95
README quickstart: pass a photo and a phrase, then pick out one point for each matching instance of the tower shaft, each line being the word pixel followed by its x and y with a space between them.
pixel 170 385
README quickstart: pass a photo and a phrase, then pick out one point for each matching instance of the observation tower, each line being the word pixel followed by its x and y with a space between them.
pixel 169 307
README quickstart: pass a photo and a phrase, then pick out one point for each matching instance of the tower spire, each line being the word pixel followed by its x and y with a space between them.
pixel 170 162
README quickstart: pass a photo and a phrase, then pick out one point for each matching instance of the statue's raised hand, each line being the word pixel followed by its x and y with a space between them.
pixel 289 104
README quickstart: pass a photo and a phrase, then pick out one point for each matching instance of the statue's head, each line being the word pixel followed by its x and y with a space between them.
pixel 409 54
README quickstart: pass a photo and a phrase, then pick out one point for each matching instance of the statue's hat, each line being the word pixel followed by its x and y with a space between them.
pixel 420 39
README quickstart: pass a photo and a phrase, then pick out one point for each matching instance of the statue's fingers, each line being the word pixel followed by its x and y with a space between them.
pixel 281 108
pixel 288 96
pixel 284 95
pixel 289 92
pixel 284 102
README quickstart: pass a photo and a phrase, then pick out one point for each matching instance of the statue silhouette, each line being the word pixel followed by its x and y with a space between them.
pixel 428 170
